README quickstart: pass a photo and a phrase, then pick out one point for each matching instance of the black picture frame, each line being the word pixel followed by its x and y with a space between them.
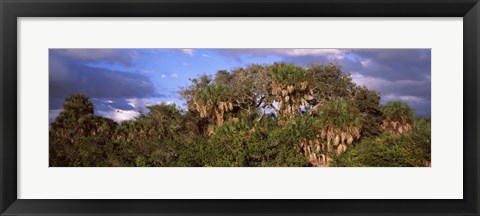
pixel 10 10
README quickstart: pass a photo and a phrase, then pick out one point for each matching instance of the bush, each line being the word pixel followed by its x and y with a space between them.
pixel 398 111
pixel 408 150
pixel 240 144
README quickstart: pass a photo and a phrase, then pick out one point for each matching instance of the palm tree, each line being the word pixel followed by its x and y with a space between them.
pixel 213 103
pixel 336 125
pixel 398 118
pixel 78 105
pixel 75 110
pixel 290 88
pixel 75 129
pixel 339 124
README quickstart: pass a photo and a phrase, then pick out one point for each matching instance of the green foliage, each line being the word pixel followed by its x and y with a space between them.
pixel 339 114
pixel 368 102
pixel 78 105
pixel 257 116
pixel 240 144
pixel 408 150
pixel 330 83
pixel 215 93
pixel 78 137
pixel 398 111
pixel 287 74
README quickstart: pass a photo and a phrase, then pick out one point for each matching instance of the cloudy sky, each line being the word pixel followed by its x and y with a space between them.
pixel 122 82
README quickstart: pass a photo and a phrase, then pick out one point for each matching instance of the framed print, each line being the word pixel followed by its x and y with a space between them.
pixel 226 107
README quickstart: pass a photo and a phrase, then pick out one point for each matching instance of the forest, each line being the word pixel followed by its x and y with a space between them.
pixel 276 115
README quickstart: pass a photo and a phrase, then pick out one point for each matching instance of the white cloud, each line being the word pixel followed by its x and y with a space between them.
pixel 371 65
pixel 119 115
pixel 140 103
pixel 310 52
pixel 132 102
pixel 184 63
pixel 174 75
pixel 163 76
pixel 404 98
pixel 379 83
pixel 188 51
pixel 371 82
pixel 286 52
pixel 366 62
pixel 205 55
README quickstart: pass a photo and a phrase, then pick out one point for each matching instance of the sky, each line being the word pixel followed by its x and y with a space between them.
pixel 122 82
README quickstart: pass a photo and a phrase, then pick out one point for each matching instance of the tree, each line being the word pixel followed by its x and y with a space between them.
pixel 260 115
pixel 340 124
pixel 192 93
pixel 330 83
pixel 249 87
pixel 78 137
pixel 368 102
pixel 152 136
pixel 78 105
pixel 291 89
pixel 227 95
pixel 210 100
pixel 398 119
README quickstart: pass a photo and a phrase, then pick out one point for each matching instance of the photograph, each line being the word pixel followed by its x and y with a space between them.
pixel 318 107
pixel 239 107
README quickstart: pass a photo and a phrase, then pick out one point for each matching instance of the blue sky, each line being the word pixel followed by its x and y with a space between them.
pixel 122 82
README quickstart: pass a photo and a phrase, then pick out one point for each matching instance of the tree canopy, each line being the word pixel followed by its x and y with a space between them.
pixel 261 115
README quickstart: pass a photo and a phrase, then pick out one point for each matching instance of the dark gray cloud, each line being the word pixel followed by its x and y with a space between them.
pixel 390 64
pixel 69 73
pixel 121 56
pixel 398 74
pixel 418 88
pixel 69 76
pixel 307 60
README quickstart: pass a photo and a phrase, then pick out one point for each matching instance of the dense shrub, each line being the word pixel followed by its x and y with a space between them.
pixel 368 103
pixel 409 150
